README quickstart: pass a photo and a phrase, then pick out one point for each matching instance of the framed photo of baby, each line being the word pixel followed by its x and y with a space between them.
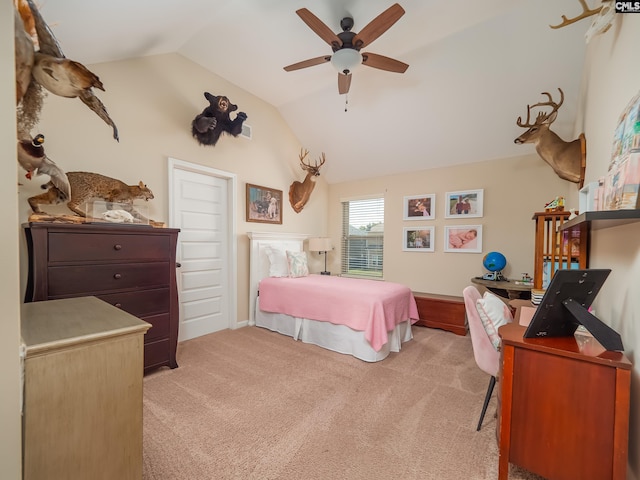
pixel 463 239
pixel 419 207
pixel 418 239
pixel 464 204
pixel 264 205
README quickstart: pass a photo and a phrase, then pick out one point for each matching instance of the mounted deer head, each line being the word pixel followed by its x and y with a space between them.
pixel 299 193
pixel 566 158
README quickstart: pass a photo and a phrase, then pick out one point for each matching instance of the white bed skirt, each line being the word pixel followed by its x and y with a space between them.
pixel 338 338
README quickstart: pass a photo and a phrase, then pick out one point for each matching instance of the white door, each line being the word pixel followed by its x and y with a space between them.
pixel 202 207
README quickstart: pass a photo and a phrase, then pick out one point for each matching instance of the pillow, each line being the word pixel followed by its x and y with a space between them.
pixel 297 264
pixel 494 313
pixel 278 262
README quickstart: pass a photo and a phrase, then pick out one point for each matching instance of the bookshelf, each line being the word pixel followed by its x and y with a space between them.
pixel 558 247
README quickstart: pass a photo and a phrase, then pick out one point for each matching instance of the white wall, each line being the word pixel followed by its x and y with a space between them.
pixel 611 80
pixel 10 423
pixel 514 189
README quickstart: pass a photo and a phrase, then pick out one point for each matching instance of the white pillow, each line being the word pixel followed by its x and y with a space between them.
pixel 494 313
pixel 297 264
pixel 279 266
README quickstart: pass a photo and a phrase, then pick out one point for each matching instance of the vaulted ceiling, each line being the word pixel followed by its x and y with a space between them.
pixel 473 68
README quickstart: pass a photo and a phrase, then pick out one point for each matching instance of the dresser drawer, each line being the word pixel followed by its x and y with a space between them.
pixel 156 354
pixel 87 279
pixel 141 304
pixel 159 327
pixel 79 247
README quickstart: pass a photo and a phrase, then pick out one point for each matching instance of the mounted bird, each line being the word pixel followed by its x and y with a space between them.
pixel 33 159
pixel 62 76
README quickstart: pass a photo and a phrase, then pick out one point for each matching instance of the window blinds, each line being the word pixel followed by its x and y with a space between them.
pixel 363 237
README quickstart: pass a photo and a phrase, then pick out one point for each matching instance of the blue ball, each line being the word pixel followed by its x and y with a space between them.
pixel 494 261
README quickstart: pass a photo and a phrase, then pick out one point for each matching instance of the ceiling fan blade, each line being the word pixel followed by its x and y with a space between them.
pixel 319 27
pixel 383 63
pixel 378 26
pixel 308 63
pixel 344 82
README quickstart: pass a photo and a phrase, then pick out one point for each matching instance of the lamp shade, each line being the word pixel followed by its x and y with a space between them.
pixel 320 244
pixel 346 60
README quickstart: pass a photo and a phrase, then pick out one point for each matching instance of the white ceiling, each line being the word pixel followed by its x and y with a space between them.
pixel 474 66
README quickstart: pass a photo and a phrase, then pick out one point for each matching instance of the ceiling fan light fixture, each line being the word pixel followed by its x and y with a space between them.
pixel 346 60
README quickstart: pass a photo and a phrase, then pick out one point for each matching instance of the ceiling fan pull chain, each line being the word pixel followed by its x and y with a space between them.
pixel 346 102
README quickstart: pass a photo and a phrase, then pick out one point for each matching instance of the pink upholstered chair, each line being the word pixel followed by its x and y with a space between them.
pixel 487 357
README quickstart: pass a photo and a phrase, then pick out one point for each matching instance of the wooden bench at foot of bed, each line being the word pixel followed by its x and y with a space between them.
pixel 441 311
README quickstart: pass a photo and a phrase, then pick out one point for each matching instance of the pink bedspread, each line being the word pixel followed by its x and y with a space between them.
pixel 370 306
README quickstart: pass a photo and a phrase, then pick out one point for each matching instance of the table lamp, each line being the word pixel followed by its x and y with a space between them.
pixel 321 245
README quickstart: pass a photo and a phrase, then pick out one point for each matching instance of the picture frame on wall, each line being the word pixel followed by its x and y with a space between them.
pixel 463 238
pixel 418 239
pixel 419 207
pixel 264 204
pixel 464 204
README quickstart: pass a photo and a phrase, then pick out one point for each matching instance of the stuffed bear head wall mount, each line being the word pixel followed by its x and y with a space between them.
pixel 214 120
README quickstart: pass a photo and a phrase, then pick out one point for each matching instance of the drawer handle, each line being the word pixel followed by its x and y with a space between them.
pixel 117 276
pixel 118 305
pixel 117 246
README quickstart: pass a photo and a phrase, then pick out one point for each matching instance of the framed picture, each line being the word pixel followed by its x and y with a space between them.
pixel 418 239
pixel 419 207
pixel 463 239
pixel 465 203
pixel 264 205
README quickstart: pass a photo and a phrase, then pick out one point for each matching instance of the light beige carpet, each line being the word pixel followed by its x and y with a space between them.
pixel 253 404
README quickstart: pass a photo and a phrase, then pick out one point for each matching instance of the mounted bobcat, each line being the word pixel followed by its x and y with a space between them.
pixel 86 186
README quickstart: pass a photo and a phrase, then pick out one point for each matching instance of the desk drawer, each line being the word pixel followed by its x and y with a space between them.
pixel 79 247
pixel 88 279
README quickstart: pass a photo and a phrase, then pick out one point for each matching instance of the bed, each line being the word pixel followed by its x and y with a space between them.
pixel 376 321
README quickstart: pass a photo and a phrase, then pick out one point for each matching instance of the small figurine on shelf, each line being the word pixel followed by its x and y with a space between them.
pixel 556 205
pixel 573 215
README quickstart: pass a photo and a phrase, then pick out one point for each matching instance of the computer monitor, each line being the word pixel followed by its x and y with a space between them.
pixel 565 304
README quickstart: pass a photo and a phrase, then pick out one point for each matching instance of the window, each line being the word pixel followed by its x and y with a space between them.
pixel 362 237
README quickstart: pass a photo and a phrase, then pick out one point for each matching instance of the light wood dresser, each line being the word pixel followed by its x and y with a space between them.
pixel 82 391
pixel 131 267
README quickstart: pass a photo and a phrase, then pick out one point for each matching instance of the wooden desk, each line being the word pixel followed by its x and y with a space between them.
pixel 505 288
pixel 563 407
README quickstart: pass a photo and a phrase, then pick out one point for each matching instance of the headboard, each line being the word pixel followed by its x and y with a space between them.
pixel 259 262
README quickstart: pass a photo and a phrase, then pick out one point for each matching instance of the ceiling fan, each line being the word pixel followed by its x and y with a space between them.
pixel 346 45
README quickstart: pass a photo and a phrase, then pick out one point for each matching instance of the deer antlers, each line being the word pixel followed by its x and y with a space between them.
pixel 586 12
pixel 542 116
pixel 307 166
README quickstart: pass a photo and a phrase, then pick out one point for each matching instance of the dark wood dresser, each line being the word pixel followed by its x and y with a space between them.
pixel 441 311
pixel 131 267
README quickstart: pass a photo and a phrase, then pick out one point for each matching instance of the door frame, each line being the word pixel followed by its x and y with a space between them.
pixel 232 207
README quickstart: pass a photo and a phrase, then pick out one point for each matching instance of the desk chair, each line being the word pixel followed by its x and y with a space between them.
pixel 486 356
